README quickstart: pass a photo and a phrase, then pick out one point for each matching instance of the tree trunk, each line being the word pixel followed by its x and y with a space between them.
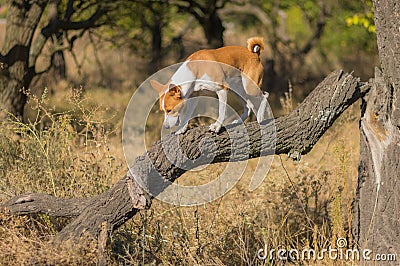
pixel 377 208
pixel 15 73
pixel 296 134
pixel 156 44
pixel 59 70
pixel 213 30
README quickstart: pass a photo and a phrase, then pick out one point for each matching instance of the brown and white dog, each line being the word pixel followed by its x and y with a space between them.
pixel 230 67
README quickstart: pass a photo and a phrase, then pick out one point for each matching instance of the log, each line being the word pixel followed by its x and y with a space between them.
pixel 296 134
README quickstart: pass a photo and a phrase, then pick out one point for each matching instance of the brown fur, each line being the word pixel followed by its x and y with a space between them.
pixel 239 57
pixel 171 100
pixel 252 42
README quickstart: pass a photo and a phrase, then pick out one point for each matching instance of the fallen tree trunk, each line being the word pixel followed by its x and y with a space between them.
pixel 296 134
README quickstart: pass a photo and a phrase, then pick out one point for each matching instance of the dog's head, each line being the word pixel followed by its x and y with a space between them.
pixel 171 102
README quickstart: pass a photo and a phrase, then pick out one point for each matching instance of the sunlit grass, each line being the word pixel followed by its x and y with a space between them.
pixel 71 153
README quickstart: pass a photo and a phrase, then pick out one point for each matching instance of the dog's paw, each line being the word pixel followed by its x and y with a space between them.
pixel 216 127
pixel 265 95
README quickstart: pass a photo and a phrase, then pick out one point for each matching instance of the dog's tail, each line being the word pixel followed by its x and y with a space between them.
pixel 255 45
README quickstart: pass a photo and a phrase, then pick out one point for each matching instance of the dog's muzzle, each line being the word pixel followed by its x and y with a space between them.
pixel 171 121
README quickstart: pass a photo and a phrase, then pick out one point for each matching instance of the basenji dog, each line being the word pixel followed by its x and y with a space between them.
pixel 234 68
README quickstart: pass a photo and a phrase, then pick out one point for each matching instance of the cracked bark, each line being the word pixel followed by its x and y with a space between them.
pixel 377 213
pixel 296 134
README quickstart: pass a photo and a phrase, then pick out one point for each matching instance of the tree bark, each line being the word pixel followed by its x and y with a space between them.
pixel 19 53
pixel 213 29
pixel 377 210
pixel 296 134
pixel 156 43
pixel 15 73
pixel 206 13
pixel 59 70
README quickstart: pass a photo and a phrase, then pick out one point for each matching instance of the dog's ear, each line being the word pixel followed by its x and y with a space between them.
pixel 157 86
pixel 175 90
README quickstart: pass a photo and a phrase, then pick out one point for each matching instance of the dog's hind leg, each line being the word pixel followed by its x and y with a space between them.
pixel 263 106
pixel 237 85
pixel 246 111
pixel 247 108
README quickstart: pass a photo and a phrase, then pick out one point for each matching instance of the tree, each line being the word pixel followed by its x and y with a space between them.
pixel 206 14
pixel 147 25
pixel 29 27
pixel 376 223
pixel 104 213
pixel 377 213
pixel 300 33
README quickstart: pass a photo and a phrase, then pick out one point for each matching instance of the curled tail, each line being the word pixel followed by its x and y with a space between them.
pixel 255 45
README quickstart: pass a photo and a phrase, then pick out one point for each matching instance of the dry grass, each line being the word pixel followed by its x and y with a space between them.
pixel 27 241
pixel 299 205
pixel 73 150
pixel 63 153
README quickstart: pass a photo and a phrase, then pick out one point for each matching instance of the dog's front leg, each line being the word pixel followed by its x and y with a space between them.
pixel 191 106
pixel 222 98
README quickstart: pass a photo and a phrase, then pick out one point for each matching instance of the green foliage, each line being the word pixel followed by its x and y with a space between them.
pixel 135 29
pixel 339 33
pixel 365 20
pixel 344 36
pixel 296 26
